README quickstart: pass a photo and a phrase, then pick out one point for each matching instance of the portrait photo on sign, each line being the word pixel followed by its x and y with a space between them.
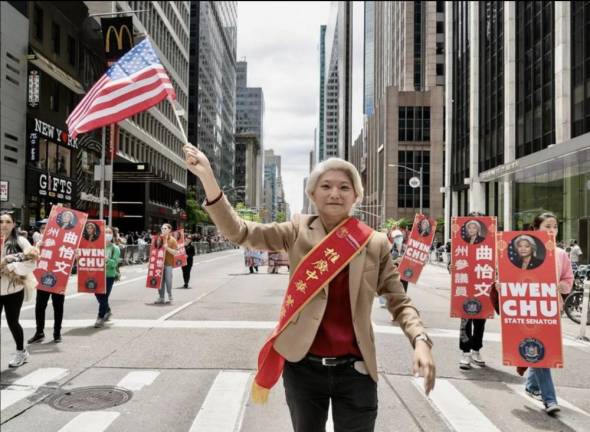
pixel 159 242
pixel 91 232
pixel 526 252
pixel 424 228
pixel 473 232
pixel 67 219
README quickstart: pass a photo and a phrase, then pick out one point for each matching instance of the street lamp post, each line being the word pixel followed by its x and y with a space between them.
pixel 419 172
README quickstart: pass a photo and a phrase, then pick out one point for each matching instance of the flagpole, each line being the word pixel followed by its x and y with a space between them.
pixel 113 140
pixel 102 162
pixel 178 120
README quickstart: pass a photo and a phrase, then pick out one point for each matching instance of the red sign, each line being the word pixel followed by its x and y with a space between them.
pixel 156 263
pixel 529 306
pixel 417 248
pixel 91 259
pixel 58 248
pixel 473 250
pixel 180 258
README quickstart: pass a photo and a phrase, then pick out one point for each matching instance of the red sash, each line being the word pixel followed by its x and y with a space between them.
pixel 314 271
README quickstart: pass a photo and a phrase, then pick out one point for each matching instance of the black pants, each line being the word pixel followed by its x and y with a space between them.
pixel 103 299
pixel 309 387
pixel 471 337
pixel 58 311
pixel 13 303
pixel 186 272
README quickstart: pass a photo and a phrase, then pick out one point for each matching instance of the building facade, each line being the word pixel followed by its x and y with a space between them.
pixel 404 134
pixel 517 128
pixel 250 120
pixel 246 170
pixel 337 96
pixel 319 136
pixel 213 97
pixel 274 195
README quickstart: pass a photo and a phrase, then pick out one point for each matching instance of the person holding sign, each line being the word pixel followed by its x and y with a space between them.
pixel 539 383
pixel 17 263
pixel 112 254
pixel 323 345
pixel 169 243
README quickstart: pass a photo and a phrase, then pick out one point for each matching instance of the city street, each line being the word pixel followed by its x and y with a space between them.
pixel 189 364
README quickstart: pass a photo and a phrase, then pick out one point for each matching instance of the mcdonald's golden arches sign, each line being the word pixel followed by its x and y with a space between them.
pixel 117 35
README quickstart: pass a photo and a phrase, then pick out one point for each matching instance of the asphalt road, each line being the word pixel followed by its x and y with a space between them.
pixel 189 364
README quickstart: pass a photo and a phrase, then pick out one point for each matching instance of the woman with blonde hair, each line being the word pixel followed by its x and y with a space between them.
pixel 323 345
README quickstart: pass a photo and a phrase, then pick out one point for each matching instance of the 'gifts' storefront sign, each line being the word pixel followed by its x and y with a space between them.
pixel 43 184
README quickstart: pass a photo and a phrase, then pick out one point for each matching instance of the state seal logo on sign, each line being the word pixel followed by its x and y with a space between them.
pixel 472 306
pixel 153 281
pixel 408 272
pixel 91 284
pixel 531 350
pixel 48 280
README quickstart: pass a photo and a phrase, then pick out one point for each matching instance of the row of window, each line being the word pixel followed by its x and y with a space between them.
pixel 414 123
pixel 408 197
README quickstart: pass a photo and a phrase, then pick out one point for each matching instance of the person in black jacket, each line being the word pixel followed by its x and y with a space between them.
pixel 190 253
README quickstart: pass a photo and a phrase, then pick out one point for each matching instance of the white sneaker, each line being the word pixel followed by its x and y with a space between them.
pixel 19 358
pixel 99 323
pixel 159 301
pixel 552 408
pixel 170 299
pixel 465 362
pixel 476 358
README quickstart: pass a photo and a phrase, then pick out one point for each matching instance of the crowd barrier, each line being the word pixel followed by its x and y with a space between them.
pixel 136 254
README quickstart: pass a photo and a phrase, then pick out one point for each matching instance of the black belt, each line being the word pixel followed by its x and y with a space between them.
pixel 332 361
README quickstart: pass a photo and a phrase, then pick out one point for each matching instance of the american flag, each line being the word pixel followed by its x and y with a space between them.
pixel 134 84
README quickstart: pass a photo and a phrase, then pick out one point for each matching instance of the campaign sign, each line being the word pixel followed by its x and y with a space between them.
pixel 91 259
pixel 417 248
pixel 528 294
pixel 58 248
pixel 473 269
pixel 180 258
pixel 156 263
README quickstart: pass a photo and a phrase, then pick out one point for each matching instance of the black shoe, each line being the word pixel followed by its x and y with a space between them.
pixel 185 286
pixel 56 338
pixel 37 337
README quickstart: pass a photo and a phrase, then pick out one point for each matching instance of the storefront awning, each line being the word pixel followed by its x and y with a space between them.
pixel 573 155
pixel 49 68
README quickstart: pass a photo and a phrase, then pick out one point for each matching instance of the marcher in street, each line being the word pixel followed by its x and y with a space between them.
pixel 112 255
pixel 324 347
pixel 190 253
pixel 57 301
pixel 253 259
pixel 17 282
pixel 539 384
pixel 471 330
pixel 171 247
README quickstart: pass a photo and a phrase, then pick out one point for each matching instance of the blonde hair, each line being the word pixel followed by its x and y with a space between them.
pixel 335 164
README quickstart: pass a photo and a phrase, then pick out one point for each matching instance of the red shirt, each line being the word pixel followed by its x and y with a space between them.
pixel 335 336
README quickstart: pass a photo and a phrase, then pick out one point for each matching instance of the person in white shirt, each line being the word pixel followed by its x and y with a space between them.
pixel 575 253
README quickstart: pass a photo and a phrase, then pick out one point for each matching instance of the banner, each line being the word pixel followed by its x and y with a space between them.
pixel 91 259
pixel 417 248
pixel 156 263
pixel 473 270
pixel 58 248
pixel 180 258
pixel 528 294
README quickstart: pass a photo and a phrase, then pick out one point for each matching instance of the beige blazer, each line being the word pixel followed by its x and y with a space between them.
pixel 371 273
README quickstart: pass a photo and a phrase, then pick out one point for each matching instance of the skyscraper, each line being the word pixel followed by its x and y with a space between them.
pixel 320 141
pixel 405 128
pixel 250 119
pixel 213 98
pixel 517 128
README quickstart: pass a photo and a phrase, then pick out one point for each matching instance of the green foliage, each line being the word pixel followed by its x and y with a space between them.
pixel 247 213
pixel 402 223
pixel 194 212
pixel 440 225
pixel 281 217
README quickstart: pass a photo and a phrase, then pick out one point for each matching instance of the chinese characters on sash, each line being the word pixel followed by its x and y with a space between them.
pixel 91 259
pixel 180 258
pixel 473 250
pixel 418 248
pixel 58 250
pixel 529 306
pixel 156 263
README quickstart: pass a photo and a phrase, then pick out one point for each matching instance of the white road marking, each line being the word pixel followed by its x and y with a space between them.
pixel 223 408
pixel 27 385
pixel 91 421
pixel 576 420
pixel 138 379
pixel 184 306
pixel 456 409
pixel 330 421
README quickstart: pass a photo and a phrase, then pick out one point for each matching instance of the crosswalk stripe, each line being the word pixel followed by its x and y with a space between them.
pixel 223 408
pixel 92 421
pixel 27 385
pixel 577 420
pixel 459 411
pixel 138 379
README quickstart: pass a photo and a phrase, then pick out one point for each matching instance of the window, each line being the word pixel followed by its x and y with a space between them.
pixel 580 59
pixel 56 38
pixel 54 98
pixel 408 197
pixel 414 124
pixel 72 51
pixel 38 23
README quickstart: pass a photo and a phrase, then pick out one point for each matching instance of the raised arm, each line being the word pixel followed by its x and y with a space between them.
pixel 274 236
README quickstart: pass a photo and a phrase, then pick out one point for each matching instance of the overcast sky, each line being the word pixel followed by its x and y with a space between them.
pixel 280 42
